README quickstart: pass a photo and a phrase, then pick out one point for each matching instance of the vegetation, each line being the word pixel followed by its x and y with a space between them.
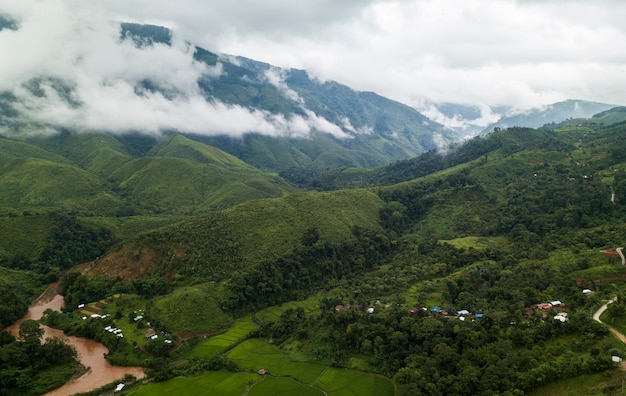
pixel 310 285
pixel 30 367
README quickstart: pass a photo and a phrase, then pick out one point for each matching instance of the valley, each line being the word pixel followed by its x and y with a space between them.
pixel 425 276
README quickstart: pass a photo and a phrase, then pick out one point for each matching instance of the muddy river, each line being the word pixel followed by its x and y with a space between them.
pixel 90 352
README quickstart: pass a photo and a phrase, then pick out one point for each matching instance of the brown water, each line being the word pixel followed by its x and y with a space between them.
pixel 90 353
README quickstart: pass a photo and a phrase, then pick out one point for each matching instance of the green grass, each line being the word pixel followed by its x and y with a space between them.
pixel 282 386
pixel 128 227
pixel 177 185
pixel 192 309
pixel 45 185
pixel 477 242
pixel 221 383
pixel 310 306
pixel 600 384
pixel 219 343
pixel 342 382
pixel 255 354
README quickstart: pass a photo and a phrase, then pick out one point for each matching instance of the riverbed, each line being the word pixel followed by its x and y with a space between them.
pixel 90 353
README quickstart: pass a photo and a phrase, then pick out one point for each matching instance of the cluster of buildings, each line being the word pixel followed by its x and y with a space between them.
pixel 114 330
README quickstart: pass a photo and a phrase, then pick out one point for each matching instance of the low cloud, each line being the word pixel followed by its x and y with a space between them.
pixel 70 68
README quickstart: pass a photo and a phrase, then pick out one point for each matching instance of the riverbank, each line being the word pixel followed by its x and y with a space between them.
pixel 98 371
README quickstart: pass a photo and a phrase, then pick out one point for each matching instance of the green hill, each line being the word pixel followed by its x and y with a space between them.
pixel 97 153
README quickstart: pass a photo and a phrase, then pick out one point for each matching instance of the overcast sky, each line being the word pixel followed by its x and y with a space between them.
pixel 521 53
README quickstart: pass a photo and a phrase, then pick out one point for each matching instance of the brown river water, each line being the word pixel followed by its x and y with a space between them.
pixel 90 353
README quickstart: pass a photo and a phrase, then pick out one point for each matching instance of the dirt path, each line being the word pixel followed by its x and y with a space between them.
pixel 596 317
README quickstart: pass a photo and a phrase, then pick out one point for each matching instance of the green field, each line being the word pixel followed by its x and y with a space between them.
pixel 600 384
pixel 221 383
pixel 342 382
pixel 310 305
pixel 476 242
pixel 255 354
pixel 283 386
pixel 219 343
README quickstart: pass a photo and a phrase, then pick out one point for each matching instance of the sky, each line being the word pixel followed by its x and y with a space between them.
pixel 517 53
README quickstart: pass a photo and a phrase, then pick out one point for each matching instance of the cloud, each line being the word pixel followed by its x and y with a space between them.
pixel 490 52
pixel 496 52
pixel 299 125
pixel 79 73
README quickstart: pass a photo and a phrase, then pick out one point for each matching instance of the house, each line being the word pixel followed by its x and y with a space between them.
pixel 119 387
pixel 462 312
pixel 556 303
pixel 479 315
pixel 150 333
pixel 436 309
pixel 587 291
pixel 560 318
pixel 262 372
pixel 370 310
pixel 616 359
pixel 543 306
pixel 338 307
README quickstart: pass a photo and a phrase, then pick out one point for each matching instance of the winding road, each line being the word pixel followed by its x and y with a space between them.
pixel 599 312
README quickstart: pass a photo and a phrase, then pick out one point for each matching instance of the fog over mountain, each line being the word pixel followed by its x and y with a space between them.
pixel 488 54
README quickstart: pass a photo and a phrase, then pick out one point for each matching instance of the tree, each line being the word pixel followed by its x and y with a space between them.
pixel 30 331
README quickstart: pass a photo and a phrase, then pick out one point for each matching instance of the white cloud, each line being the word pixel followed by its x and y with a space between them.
pixel 505 52
pixel 80 46
pixel 484 52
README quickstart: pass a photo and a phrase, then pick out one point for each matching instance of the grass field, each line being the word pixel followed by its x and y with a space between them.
pixel 289 377
pixel 219 343
pixel 476 242
pixel 258 354
pixel 283 386
pixel 600 384
pixel 310 305
pixel 221 383
pixel 342 382
pixel 255 354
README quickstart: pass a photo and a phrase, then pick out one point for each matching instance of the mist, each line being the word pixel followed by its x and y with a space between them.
pixel 70 67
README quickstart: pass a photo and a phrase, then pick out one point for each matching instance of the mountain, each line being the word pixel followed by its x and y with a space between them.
pixel 554 113
pixel 317 125
pixel 429 275
pixel 376 130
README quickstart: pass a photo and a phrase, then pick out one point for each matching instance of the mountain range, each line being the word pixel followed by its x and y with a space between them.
pixel 367 250
pixel 325 125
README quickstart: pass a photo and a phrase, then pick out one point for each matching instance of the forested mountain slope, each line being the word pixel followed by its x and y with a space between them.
pixel 520 220
pixel 501 224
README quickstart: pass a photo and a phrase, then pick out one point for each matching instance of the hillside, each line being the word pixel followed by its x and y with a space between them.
pixel 502 223
pixel 313 126
pixel 128 174
pixel 563 136
pixel 554 113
